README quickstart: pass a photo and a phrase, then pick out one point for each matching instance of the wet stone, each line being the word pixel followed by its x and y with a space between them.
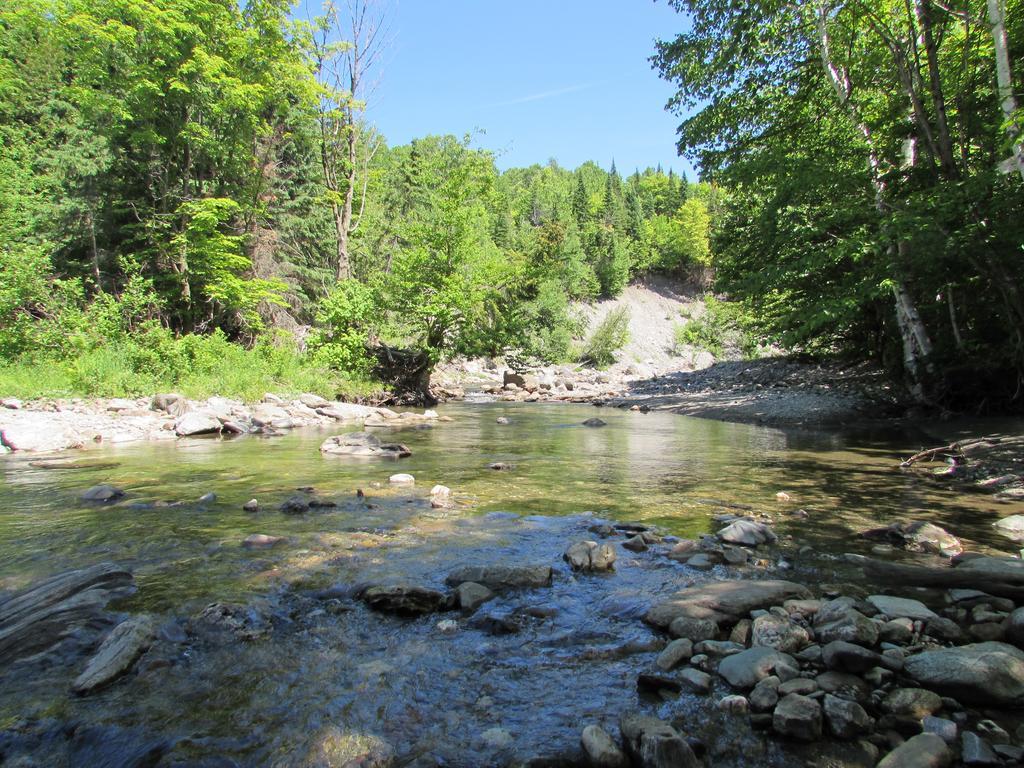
pixel 846 719
pixel 117 654
pixel 675 653
pixel 695 680
pixel 404 599
pixel 471 595
pixel 601 750
pixel 589 556
pixel 925 750
pixel 102 493
pixel 975 751
pixel 798 717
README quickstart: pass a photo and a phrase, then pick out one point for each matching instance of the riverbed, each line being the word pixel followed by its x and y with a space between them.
pixel 320 672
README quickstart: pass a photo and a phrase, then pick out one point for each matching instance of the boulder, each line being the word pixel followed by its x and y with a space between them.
pixel 402 479
pixel 196 423
pixel 748 533
pixel 345 411
pixel 724 602
pixel 653 743
pixel 838 620
pixel 1015 628
pixel 589 556
pixel 313 401
pixel 595 422
pixel 363 444
pixel 901 607
pixel 440 496
pixel 916 703
pixel 846 719
pixel 695 630
pixel 926 750
pixel 1012 526
pixel 116 655
pixel 170 403
pixel 743 670
pixel 781 634
pixel 295 505
pixel 502 576
pixel 601 750
pixel 404 599
pixel 635 544
pixel 675 653
pixel 695 680
pixel 102 493
pixel 798 717
pixel 848 657
pixel 974 750
pixel 989 674
pixel 919 536
pixel 472 595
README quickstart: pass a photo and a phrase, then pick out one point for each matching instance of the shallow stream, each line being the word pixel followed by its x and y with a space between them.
pixel 329 677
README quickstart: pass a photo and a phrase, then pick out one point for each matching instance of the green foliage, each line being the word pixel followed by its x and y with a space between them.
pixel 343 323
pixel 607 338
pixel 723 329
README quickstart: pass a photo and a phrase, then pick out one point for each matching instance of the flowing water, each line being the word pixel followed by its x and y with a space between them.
pixel 327 676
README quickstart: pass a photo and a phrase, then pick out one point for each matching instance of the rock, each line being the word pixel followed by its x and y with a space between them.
pixel 1015 627
pixel 102 493
pixel 196 423
pixel 346 748
pixel 848 657
pixel 734 705
pixel 502 576
pixel 363 444
pixel 801 685
pixel 229 622
pixel 695 680
pixel 500 466
pixel 724 602
pixel 511 377
pixel 926 750
pixel 589 556
pixel 346 411
pixel 295 505
pixel 496 738
pixel 765 695
pixel 747 533
pixel 975 751
pixel 313 401
pixel 472 595
pixel 695 630
pixel 899 631
pixel 116 655
pixel 404 599
pixel 600 750
pixel 838 620
pixel 743 670
pixel 653 743
pixel 844 685
pixel 261 541
pixel 402 479
pixel 846 719
pixel 39 616
pixel 594 422
pixel 170 403
pixel 946 729
pixel 502 420
pixel 440 496
pixel 784 635
pixel 901 607
pixel 1012 526
pixel 989 674
pixel 918 536
pixel 252 505
pixel 675 653
pixel 635 544
pixel 11 403
pixel 944 629
pixel 798 717
pixel 912 702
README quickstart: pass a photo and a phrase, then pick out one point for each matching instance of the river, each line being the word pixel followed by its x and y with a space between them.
pixel 329 677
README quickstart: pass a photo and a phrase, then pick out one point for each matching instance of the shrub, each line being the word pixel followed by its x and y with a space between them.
pixel 610 335
pixel 343 321
pixel 723 330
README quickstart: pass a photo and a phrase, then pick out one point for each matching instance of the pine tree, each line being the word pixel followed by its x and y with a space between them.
pixel 580 202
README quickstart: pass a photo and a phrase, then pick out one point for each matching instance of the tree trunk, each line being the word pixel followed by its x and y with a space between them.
pixel 1004 80
pixel 943 140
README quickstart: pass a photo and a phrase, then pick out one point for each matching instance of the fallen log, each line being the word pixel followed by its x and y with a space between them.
pixel 41 615
pixel 995 576
pixel 956 450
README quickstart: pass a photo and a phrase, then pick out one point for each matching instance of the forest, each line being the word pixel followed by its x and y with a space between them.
pixel 189 185
pixel 192 194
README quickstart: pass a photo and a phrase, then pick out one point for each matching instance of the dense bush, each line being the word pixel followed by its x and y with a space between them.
pixel 722 329
pixel 611 335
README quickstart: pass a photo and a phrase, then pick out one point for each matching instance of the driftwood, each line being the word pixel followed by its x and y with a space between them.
pixel 39 616
pixel 957 450
pixel 996 577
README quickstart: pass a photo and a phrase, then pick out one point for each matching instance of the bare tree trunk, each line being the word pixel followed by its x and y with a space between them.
pixel 1004 80
pixel 917 345
pixel 944 142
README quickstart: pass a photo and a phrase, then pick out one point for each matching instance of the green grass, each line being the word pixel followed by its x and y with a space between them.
pixel 197 367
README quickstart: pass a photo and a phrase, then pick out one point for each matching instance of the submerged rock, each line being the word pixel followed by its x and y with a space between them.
pixel 363 444
pixel 223 622
pixel 344 747
pixel 261 541
pixel 653 743
pixel 116 655
pixel 102 493
pixel 404 599
pixel 502 576
pixel 595 422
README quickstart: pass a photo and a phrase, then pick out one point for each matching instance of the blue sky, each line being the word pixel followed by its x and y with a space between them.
pixel 567 79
